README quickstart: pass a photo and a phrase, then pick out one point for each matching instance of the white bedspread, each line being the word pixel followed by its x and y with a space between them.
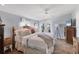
pixel 36 42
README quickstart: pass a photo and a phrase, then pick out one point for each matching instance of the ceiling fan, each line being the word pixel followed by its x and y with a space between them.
pixel 46 8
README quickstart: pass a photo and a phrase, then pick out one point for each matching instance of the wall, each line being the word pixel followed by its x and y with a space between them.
pixel 58 20
pixel 12 20
pixel 77 24
pixel 61 20
pixel 9 21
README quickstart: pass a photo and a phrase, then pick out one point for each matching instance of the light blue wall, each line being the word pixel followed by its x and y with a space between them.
pixel 77 24
pixel 58 20
pixel 61 20
pixel 9 21
pixel 12 20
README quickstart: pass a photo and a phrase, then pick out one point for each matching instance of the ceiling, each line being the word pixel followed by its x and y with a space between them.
pixel 38 11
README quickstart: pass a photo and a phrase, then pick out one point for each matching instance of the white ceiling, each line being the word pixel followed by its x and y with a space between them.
pixel 37 12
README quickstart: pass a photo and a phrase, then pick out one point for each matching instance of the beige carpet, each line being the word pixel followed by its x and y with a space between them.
pixel 62 47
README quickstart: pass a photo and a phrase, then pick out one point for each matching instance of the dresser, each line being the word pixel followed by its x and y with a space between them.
pixel 70 32
pixel 2 38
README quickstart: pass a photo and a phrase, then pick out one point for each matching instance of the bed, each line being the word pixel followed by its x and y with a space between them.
pixel 38 43
pixel 21 32
pixel 29 41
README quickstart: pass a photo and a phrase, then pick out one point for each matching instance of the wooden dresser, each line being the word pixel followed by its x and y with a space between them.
pixel 1 38
pixel 70 32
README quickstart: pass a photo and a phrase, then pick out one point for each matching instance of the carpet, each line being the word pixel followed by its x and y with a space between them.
pixel 61 47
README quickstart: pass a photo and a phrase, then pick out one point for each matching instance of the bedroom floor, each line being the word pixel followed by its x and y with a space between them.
pixel 61 47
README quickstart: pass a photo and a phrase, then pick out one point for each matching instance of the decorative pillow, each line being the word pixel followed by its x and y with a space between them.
pixel 23 32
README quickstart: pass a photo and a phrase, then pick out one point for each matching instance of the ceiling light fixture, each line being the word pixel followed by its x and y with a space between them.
pixel 46 11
